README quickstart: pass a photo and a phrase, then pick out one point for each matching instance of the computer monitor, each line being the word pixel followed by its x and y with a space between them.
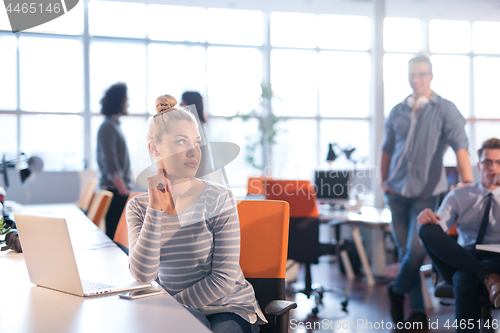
pixel 332 186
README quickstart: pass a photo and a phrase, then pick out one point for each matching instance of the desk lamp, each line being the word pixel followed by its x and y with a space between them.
pixel 28 165
pixel 331 154
pixel 348 153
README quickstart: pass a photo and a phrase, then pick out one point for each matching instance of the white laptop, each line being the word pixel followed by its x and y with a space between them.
pixel 51 262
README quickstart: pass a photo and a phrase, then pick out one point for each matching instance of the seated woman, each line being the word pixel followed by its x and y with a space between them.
pixel 186 231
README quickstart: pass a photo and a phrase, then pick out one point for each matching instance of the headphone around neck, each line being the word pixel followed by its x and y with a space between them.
pixel 418 104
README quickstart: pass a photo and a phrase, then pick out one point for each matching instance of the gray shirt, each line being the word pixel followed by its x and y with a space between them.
pixel 417 145
pixel 195 253
pixel 465 206
pixel 112 154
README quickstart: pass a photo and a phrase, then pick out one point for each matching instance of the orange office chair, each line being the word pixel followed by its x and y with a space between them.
pixel 121 233
pixel 263 256
pixel 304 246
pixel 99 206
pixel 255 185
pixel 87 194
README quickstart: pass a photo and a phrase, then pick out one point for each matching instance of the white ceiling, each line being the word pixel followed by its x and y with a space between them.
pixel 472 10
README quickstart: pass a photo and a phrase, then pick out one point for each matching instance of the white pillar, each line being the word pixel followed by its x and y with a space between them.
pixel 378 261
pixel 377 93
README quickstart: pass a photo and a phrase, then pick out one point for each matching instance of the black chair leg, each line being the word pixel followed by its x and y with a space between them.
pixel 486 318
pixel 319 291
pixel 308 287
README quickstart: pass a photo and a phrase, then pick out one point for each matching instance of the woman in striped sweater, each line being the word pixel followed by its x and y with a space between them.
pixel 186 231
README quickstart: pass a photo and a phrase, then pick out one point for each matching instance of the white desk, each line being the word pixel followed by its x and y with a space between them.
pixel 368 217
pixel 488 247
pixel 25 307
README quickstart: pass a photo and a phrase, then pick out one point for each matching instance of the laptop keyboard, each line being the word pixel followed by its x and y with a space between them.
pixel 91 286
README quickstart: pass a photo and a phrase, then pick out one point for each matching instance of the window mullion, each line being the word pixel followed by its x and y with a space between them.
pixel 86 75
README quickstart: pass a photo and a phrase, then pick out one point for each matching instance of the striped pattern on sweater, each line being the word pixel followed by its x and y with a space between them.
pixel 194 253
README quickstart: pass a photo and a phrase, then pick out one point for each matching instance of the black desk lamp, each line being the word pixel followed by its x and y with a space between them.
pixel 331 154
pixel 348 153
pixel 32 164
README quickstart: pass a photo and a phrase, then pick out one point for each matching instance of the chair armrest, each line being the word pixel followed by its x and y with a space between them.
pixel 278 308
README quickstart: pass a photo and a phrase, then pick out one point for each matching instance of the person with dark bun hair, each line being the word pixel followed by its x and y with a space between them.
pixel 186 231
pixel 190 98
pixel 194 98
pixel 112 154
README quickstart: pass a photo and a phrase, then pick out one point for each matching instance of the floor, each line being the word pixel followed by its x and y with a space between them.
pixel 368 308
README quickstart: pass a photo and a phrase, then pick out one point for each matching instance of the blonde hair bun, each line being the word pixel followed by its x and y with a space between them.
pixel 165 103
pixel 166 114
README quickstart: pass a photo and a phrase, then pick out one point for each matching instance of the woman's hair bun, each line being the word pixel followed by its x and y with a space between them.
pixel 165 103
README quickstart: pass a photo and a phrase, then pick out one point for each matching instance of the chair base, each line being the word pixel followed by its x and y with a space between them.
pixel 317 291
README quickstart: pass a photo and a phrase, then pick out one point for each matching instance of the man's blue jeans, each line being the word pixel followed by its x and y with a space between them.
pixel 225 322
pixel 464 269
pixel 411 252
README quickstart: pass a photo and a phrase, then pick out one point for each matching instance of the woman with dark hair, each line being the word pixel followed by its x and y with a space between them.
pixel 194 98
pixel 112 154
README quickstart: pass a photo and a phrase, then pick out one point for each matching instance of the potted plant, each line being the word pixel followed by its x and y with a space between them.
pixel 267 130
pixel 3 230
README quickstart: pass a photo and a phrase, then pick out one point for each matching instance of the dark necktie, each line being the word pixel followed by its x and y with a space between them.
pixel 484 222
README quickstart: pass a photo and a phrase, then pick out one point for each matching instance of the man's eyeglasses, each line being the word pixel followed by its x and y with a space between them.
pixel 489 163
pixel 419 75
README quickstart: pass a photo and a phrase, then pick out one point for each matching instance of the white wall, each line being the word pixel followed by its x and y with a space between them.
pixel 43 187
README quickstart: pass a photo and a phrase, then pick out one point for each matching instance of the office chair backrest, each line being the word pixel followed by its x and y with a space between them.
pixel 255 185
pixel 303 237
pixel 453 231
pixel 121 233
pixel 264 244
pixel 99 206
pixel 87 194
pixel 299 194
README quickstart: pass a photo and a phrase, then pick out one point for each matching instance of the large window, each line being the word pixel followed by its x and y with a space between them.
pixel 234 75
pixel 320 74
pixel 174 69
pixel 52 78
pixel 8 68
pixel 118 61
pixel 57 139
pixel 467 79
pixel 51 75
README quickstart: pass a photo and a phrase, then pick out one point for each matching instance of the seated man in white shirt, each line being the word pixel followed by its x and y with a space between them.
pixel 475 210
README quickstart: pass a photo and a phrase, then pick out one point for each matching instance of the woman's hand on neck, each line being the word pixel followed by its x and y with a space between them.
pixel 168 205
pixel 180 189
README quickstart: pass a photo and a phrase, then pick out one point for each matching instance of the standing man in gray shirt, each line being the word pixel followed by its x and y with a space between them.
pixel 418 132
pixel 112 154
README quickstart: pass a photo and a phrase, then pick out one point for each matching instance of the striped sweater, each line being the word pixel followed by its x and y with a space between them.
pixel 194 253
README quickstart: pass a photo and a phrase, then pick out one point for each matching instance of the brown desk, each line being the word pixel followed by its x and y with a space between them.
pixel 369 217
